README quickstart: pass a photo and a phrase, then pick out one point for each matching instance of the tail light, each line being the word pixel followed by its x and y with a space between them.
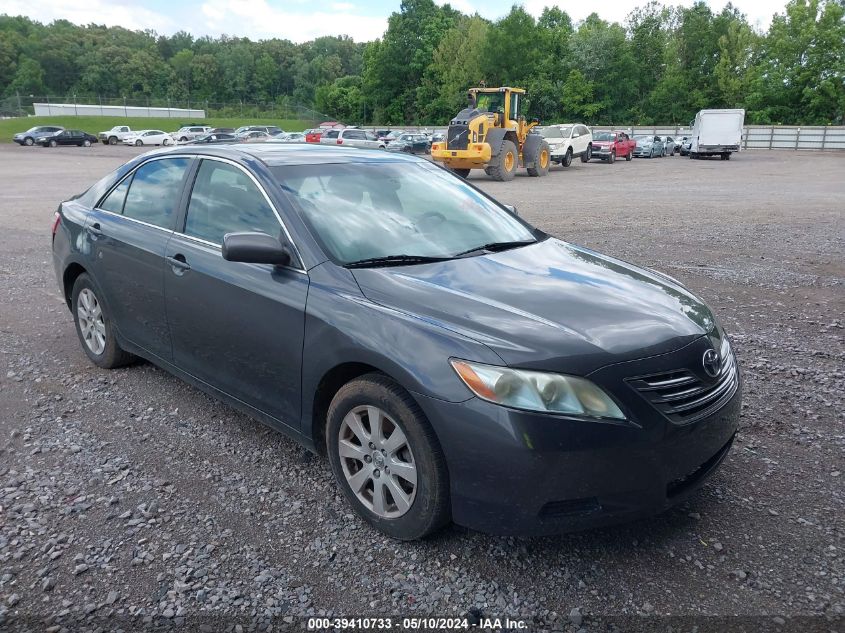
pixel 56 221
pixel 340 141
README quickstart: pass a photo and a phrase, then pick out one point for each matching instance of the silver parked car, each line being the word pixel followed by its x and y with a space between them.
pixel 352 137
pixel 648 146
pixel 670 145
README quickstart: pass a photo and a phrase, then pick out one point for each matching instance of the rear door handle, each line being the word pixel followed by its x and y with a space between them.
pixel 94 229
pixel 178 263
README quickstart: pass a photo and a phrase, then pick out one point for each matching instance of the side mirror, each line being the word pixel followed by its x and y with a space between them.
pixel 511 208
pixel 255 248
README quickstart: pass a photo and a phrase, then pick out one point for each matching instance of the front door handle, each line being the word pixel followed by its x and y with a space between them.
pixel 178 264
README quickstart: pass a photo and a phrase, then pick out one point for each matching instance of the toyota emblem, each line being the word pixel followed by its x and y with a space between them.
pixel 712 363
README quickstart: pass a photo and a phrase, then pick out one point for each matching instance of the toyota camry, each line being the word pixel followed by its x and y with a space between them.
pixel 452 361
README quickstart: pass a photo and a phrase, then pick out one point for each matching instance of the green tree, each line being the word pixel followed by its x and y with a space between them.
pixel 456 66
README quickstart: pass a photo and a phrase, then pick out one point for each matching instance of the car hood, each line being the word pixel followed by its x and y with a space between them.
pixel 550 305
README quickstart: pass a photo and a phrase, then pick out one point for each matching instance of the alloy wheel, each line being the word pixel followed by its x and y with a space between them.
pixel 377 461
pixel 91 322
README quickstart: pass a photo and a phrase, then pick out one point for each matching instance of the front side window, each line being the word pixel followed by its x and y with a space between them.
pixel 360 211
pixel 154 193
pixel 225 200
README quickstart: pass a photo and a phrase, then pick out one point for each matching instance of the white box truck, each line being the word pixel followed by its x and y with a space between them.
pixel 717 133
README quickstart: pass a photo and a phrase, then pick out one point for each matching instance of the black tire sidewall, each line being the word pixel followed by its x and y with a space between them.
pixel 29 141
pixel 430 509
pixel 567 159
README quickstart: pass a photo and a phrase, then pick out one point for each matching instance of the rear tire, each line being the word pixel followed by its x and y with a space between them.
pixel 629 156
pixel 368 455
pixel 86 143
pixel 542 160
pixel 94 327
pixel 463 173
pixel 53 144
pixel 503 166
pixel 587 155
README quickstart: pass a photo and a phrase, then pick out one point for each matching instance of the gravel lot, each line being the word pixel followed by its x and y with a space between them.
pixel 128 498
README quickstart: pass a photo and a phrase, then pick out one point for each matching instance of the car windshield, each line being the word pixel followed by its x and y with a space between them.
pixel 490 101
pixel 359 211
pixel 556 132
pixel 604 136
pixel 643 138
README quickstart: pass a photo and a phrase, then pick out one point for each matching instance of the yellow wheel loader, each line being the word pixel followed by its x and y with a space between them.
pixel 490 134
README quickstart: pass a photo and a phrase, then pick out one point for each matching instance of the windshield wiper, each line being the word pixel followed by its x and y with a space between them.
pixel 495 247
pixel 394 260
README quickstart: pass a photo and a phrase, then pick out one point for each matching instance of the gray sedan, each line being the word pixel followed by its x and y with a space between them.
pixel 648 146
pixel 387 314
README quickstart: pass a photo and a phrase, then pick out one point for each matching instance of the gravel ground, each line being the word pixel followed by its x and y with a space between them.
pixel 129 499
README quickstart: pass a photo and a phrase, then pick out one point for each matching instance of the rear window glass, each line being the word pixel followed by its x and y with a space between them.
pixel 154 192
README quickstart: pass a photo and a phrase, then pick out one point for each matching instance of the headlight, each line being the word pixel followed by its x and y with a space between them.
pixel 536 390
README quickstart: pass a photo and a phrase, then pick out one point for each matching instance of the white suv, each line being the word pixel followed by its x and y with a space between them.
pixel 568 140
pixel 353 137
pixel 190 133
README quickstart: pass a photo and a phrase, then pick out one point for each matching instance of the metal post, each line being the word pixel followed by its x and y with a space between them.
pixel 124 106
pixel 745 140
pixel 75 109
pixel 824 138
pixel 797 137
pixel 771 136
pixel 20 109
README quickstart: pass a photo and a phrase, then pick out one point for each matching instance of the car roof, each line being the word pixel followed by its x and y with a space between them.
pixel 280 154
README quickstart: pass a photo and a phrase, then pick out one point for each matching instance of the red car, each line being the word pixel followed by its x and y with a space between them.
pixel 313 136
pixel 609 146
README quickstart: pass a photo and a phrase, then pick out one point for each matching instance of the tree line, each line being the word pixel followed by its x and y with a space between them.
pixel 660 66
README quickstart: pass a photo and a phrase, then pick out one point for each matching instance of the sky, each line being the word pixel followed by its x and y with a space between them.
pixel 303 20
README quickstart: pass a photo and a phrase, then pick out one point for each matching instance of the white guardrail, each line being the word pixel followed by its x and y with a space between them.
pixel 793 137
pixel 76 109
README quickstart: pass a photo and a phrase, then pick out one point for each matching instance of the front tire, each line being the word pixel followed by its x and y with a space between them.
pixel 567 159
pixel 463 173
pixel 94 327
pixel 138 143
pixel 387 459
pixel 112 140
pixel 503 166
pixel 28 141
pixel 612 158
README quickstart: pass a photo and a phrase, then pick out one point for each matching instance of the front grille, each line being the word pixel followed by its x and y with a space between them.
pixel 683 397
pixel 457 137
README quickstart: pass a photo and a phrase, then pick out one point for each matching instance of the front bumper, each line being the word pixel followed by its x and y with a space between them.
pixel 475 156
pixel 558 151
pixel 521 473
pixel 639 152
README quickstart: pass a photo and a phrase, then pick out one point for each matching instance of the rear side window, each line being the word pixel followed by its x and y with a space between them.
pixel 154 192
pixel 332 134
pixel 114 201
pixel 225 200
